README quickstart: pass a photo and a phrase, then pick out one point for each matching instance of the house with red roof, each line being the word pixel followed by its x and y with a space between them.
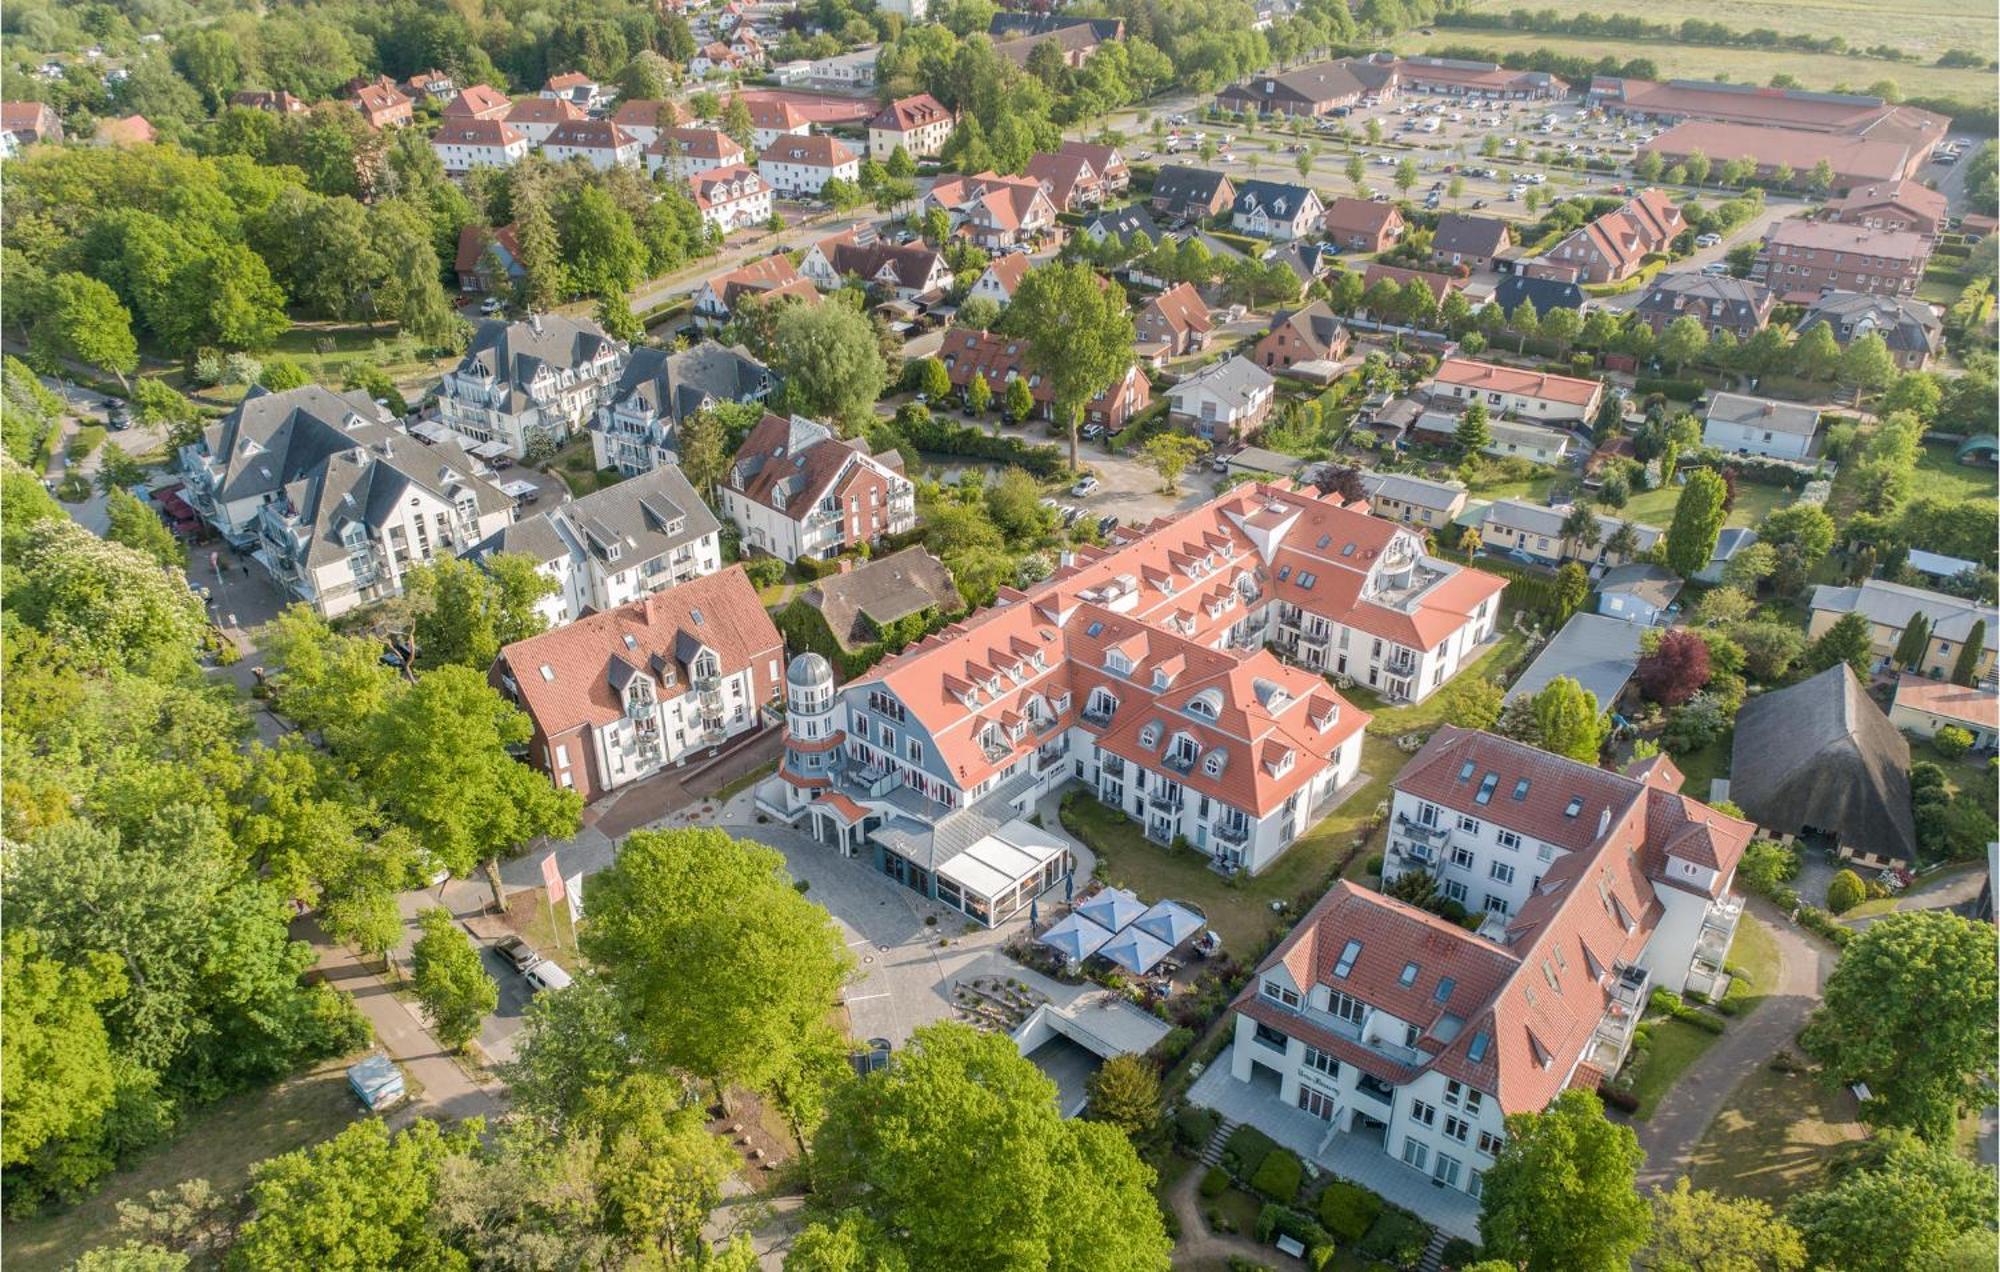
pixel 382 104
pixel 795 489
pixel 1362 225
pixel 618 696
pixel 481 101
pixel 920 125
pixel 536 117
pixel 1112 171
pixel 1001 279
pixel 1611 248
pixel 684 151
pixel 581 91
pixel 598 142
pixel 994 211
pixel 772 118
pixel 646 118
pixel 799 166
pixel 128 130
pixel 906 271
pixel 732 197
pixel 1893 205
pixel 1174 323
pixel 485 255
pixel 770 277
pixel 1511 391
pixel 1376 1027
pixel 1004 359
pixel 464 144
pixel 1068 179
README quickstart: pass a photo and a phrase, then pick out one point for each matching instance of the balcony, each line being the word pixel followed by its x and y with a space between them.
pixel 1179 761
pixel 707 682
pixel 1113 766
pixel 1099 716
pixel 1401 663
pixel 1165 803
pixel 1237 833
pixel 995 750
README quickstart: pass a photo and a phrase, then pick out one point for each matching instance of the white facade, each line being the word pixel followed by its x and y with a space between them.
pixel 733 198
pixel 797 177
pixel 558 400
pixel 1401 672
pixel 461 156
pixel 628 153
pixel 991 286
pixel 1752 437
pixel 1280 224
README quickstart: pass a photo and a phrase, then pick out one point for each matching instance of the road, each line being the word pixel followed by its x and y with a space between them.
pixel 742 248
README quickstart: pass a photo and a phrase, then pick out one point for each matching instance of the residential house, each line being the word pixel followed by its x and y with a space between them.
pixel 598 142
pixel 731 197
pixel 1414 501
pixel 1804 260
pixel 1601 654
pixel 1068 179
pixel 920 125
pixel 1275 210
pixel 1001 359
pixel 29 123
pixel 1191 194
pixel 127 130
pixel 1362 225
pixel 1515 525
pixel 536 117
pixel 1532 395
pixel 1225 402
pixel 1893 205
pixel 1544 294
pixel 1113 174
pixel 773 118
pixel 1889 607
pixel 1310 333
pixel 462 145
pixel 1123 224
pixel 275 103
pixel 1001 279
pixel 801 166
pixel 637 429
pixel 578 89
pixel 1758 426
pixel 1640 592
pixel 1732 540
pixel 995 211
pixel 683 152
pixel 795 489
pixel 331 500
pixel 716 58
pixel 1469 241
pixel 432 85
pixel 902 271
pixel 1820 758
pixel 383 105
pixel 1614 246
pixel 620 695
pixel 536 378
pixel 1511 439
pixel 481 101
pixel 645 119
pixel 1923 706
pixel 1910 328
pixel 1440 285
pixel 1718 303
pixel 862 600
pixel 1311 91
pixel 770 278
pixel 1308 262
pixel 1174 323
pixel 483 249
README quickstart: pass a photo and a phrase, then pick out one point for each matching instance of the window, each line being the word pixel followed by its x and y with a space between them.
pixel 1473 1101
pixel 1149 737
pixel 914 750
pixel 1497 905
pixel 1454 1092
pixel 1271 1037
pixel 1476 1050
pixel 1317 1103
pixel 1320 1060
pixel 1501 872
pixel 1423 1114
pixel 1447 1169
pixel 1509 840
pixel 1486 785
pixel 1574 807
pixel 1409 976
pixel 1490 1144
pixel 1443 992
pixel 1346 1007
pixel 1345 963
pixel 1454 891
pixel 1521 790
pixel 1457 1128
pixel 1470 825
pixel 1545 853
pixel 1279 993
pixel 1461 857
pixel 1415 1154
pixel 1427 815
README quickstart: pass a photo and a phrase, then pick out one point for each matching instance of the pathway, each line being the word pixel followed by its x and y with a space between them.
pixel 1198 1247
pixel 1683 1116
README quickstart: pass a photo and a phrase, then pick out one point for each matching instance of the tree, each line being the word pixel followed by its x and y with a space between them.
pixel 363 1199
pixel 1897 1209
pixel 1909 1011
pixel 1867 365
pixel 1079 337
pixel 108 605
pixel 1697 166
pixel 1749 566
pixel 1849 640
pixel 140 528
pixel 934 380
pixel 1704 1232
pixel 1126 1093
pixel 899 165
pixel 1563 1196
pixel 1472 703
pixel 544 277
pixel 1169 455
pixel 1845 892
pixel 978 394
pixel 60 1076
pixel 1769 649
pixel 1815 353
pixel 410 291
pixel 82 321
pixel 1581 530
pixel 1683 341
pixel 450 981
pixel 1568 720
pixel 1675 669
pixel 736 122
pixel 464 613
pixel 685 928
pixel 1698 518
pixel 1472 435
pixel 1029 1189
pixel 829 360
pixel 1406 175
pixel 1914 643
pixel 1572 589
pixel 437 757
pixel 1357 174
pixel 1803 525
pixel 324 682
pixel 1013 501
pixel 1965 669
pixel 1649 167
pixel 1821 178
pixel 1021 400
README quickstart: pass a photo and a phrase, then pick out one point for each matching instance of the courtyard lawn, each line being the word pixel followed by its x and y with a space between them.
pixel 1940 476
pixel 1702 767
pixel 1755 962
pixel 1676 1045
pixel 1774 1136
pixel 576 465
pixel 1754 502
pixel 1533 489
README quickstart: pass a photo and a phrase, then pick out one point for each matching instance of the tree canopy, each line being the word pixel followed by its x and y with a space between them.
pixel 1562 1195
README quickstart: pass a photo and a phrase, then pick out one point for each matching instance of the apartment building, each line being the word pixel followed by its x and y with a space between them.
pixel 598 142
pixel 801 166
pixel 1909 327
pixel 1735 305
pixel 537 377
pixel 1614 246
pixel 683 152
pixel 637 429
pixel 920 125
pixel 536 117
pixel 731 197
pixel 797 490
pixel 1003 359
pixel 464 144
pixel 1893 205
pixel 773 118
pixel 480 101
pixel 994 211
pixel 646 118
pixel 1804 260
pixel 1225 402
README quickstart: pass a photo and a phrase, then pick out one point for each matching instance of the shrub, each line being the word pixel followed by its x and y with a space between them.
pixel 1193 1125
pixel 1768 865
pixel 765 571
pixel 1374 866
pixel 1215 1182
pixel 1279 1176
pixel 1397 1238
pixel 1704 1021
pixel 1845 892
pixel 1619 1098
pixel 1246 1150
pixel 1458 1252
pixel 1348 1210
pixel 1952 741
pixel 1819 922
pixel 1172 1048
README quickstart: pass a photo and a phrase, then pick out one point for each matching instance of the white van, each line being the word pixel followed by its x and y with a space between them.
pixel 545 975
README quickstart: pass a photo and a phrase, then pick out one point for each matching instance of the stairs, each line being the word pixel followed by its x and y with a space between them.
pixel 1211 1152
pixel 1434 1252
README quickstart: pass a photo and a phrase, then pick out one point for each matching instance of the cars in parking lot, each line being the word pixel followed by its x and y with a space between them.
pixel 1084 486
pixel 517 952
pixel 543 975
pixel 1105 525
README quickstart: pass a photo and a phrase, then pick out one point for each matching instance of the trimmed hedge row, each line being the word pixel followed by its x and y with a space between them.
pixel 942 437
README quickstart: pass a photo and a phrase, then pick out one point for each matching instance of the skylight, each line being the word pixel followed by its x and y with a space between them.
pixel 1409 976
pixel 1443 992
pixel 1486 785
pixel 548 673
pixel 1520 790
pixel 1347 957
pixel 1324 540
pixel 1095 629
pixel 1306 579
pixel 1465 770
pixel 1476 1051
pixel 1347 549
pixel 1575 806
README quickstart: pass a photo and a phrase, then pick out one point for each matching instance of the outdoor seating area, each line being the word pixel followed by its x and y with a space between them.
pixel 1116 926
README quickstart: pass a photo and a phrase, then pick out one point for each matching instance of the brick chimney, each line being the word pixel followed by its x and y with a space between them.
pixel 845 565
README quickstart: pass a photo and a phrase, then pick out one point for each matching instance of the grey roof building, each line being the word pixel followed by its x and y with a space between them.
pixel 1180 191
pixel 1735 304
pixel 1598 653
pixel 1820 757
pixel 1909 327
pixel 1544 293
pixel 1463 239
pixel 638 427
pixel 1639 592
pixel 859 605
pixel 1122 224
pixel 539 377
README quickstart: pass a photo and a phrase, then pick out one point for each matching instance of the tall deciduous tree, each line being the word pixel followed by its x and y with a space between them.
pixel 1900 1208
pixel 450 980
pixel 1909 1011
pixel 323 681
pixel 1079 336
pixel 1126 1093
pixel 140 528
pixel 1562 1197
pixel 82 321
pixel 1568 720
pixel 1698 518
pixel 1169 455
pixel 1700 1231
pixel 59 1075
pixel 830 361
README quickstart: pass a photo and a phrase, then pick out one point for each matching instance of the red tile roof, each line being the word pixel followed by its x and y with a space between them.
pixel 473 241
pixel 1491 378
pixel 699 143
pixel 477 132
pixel 770 113
pixel 591 134
pixel 1348 215
pixel 646 112
pixel 544 110
pixel 481 100
pixel 1441 285
pixel 1010 270
pixel 906 114
pixel 1180 307
pixel 814 151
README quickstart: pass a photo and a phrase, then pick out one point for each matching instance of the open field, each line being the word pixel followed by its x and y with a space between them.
pixel 1774 1136
pixel 1822 71
pixel 1656 507
pixel 1940 476
pixel 1926 26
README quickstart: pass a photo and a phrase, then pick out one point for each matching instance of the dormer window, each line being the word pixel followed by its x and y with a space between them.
pixel 1213 764
pixel 1115 660
pixel 1160 678
pixel 1208 703
pixel 1149 737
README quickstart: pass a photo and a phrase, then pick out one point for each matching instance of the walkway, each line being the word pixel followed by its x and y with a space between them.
pixel 1683 1116
pixel 1201 1248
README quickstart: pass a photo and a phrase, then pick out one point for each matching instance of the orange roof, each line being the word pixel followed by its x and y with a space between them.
pixel 1180 307
pixel 1010 270
pixel 480 99
pixel 699 143
pixel 908 113
pixel 1953 702
pixel 1489 377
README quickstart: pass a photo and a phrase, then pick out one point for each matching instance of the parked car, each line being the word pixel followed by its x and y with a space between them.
pixel 517 951
pixel 544 975
pixel 1084 486
pixel 1709 240
pixel 1715 268
pixel 1105 525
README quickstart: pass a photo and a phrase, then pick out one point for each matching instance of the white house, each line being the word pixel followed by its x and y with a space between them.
pixel 637 430
pixel 796 490
pixel 907 271
pixel 920 125
pixel 1224 402
pixel 1757 426
pixel 464 144
pixel 538 378
pixel 536 117
pixel 1530 395
pixel 1001 279
pixel 1276 210
pixel 771 119
pixel 684 152
pixel 799 166
pixel 598 142
pixel 731 197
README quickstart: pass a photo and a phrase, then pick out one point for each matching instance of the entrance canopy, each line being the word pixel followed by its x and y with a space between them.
pixel 1076 937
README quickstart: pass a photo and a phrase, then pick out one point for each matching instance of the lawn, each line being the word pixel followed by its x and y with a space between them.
pixel 1939 476
pixel 324 348
pixel 1754 502
pixel 745 782
pixel 577 466
pixel 1533 489
pixel 218 1144
pixel 1676 1045
pixel 540 924
pixel 1929 25
pixel 1754 958
pixel 1772 1138
pixel 1702 767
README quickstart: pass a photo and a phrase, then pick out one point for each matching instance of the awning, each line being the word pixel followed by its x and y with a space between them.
pixel 1171 922
pixel 999 861
pixel 1112 909
pixel 1135 951
pixel 429 431
pixel 488 450
pixel 1076 937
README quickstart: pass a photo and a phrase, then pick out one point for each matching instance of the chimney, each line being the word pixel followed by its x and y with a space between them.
pixel 845 565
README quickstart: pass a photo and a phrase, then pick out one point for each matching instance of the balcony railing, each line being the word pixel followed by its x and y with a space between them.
pixel 994 748
pixel 1401 663
pixel 1166 803
pixel 1179 762
pixel 1232 833
pixel 1099 716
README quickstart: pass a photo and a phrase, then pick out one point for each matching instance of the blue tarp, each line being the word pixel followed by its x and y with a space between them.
pixel 1169 921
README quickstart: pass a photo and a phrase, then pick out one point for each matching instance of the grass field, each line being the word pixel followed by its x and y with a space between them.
pixel 1939 476
pixel 1929 26
pixel 1773 1137
pixel 1656 507
pixel 1754 955
pixel 1822 71
pixel 1676 1045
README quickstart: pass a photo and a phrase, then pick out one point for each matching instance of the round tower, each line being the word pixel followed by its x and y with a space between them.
pixel 809 698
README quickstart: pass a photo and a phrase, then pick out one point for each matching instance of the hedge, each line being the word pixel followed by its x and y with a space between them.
pixel 1246 1150
pixel 942 437
pixel 805 629
pixel 1680 390
pixel 1348 1210
pixel 1214 1183
pixel 1279 1176
pixel 1193 1125
pixel 1398 1238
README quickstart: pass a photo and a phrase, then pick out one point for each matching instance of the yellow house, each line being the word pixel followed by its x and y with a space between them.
pixel 1889 607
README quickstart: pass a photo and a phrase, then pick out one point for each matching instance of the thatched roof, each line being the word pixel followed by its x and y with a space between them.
pixel 1822 755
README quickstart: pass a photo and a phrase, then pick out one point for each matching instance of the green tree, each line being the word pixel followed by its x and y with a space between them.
pixel 410 291
pixel 1898 1209
pixel 1909 1011
pixel 1568 720
pixel 978 394
pixel 322 681
pixel 140 528
pixel 830 361
pixel 1697 166
pixel 900 166
pixel 544 277
pixel 1126 1093
pixel 1020 399
pixel 686 926
pixel 450 981
pixel 1683 341
pixel 704 454
pixel 1471 702
pixel 1769 649
pixel 156 405
pixel 1914 643
pixel 736 122
pixel 1357 175
pixel 1802 525
pixel 1698 518
pixel 1079 336
pixel 1705 1232
pixel 60 1077
pixel 109 605
pixel 1169 455
pixel 1965 668
pixel 1844 892
pixel 1406 175
pixel 1848 641
pixel 1473 435
pixel 1563 1197
pixel 1815 353
pixel 1572 589
pixel 1649 167
pixel 82 321
pixel 934 380
pixel 461 613
pixel 1866 365
pixel 1013 501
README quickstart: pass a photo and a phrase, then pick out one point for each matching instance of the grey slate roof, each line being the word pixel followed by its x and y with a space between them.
pixel 1697 294
pixel 1778 417
pixel 1419 492
pixel 1280 199
pixel 367 482
pixel 676 385
pixel 1123 223
pixel 1233 380
pixel 647 515
pixel 1822 755
pixel 1544 293
pixel 515 352
pixel 1471 235
pixel 273 439
pixel 1256 459
pixel 1598 653
pixel 1893 605
pixel 1906 325
pixel 1654 584
pixel 882 590
pixel 1178 183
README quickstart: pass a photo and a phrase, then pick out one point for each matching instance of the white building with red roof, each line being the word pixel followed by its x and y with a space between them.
pixel 770 277
pixel 772 118
pixel 803 165
pixel 683 152
pixel 1405 1034
pixel 1001 278
pixel 480 101
pixel 907 271
pixel 797 490
pixel 598 142
pixel 920 125
pixel 536 117
pixel 618 696
pixel 1531 395
pixel 464 144
pixel 577 88
pixel 732 197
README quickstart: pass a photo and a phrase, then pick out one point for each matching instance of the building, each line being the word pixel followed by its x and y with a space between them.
pixel 1909 327
pixel 1223 403
pixel 1457 77
pixel 1937 566
pixel 1312 91
pixel 127 130
pixel 481 101
pixel 1068 179
pixel 1614 246
pixel 1889 607
pixel 433 85
pixel 855 70
pixel 1777 108
pixel 797 490
pixel 383 105
pixel 1640 593
pixel 464 144
pixel 1113 174
pixel 1310 334
pixel 683 152
pixel 801 166
pixel 1819 759
pixel 536 379
pixel 598 142
pixel 1515 525
pixel 536 117
pixel 1308 262
pixel 1275 210
pixel 1852 161
pixel 904 271
pixel 772 118
pixel 920 125
pixel 1173 324
pixel 995 211
pixel 1074 42
pixel 619 696
pixel 1804 260
pixel 275 103
pixel 862 600
pixel 1413 501
pixel 1924 706
pixel 769 278
pixel 1191 194
pixel 1533 395
pixel 332 501
pixel 731 197
pixel 1545 294
pixel 1469 241
pixel 30 123
pixel 1758 426
pixel 578 89
pixel 1362 225
pixel 1001 279
pixel 615 545
pixel 645 118
pixel 637 430
pixel 1124 224
pixel 1893 205
pixel 1003 359
pixel 1717 302
pixel 1732 540
pixel 482 250
pixel 1439 285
